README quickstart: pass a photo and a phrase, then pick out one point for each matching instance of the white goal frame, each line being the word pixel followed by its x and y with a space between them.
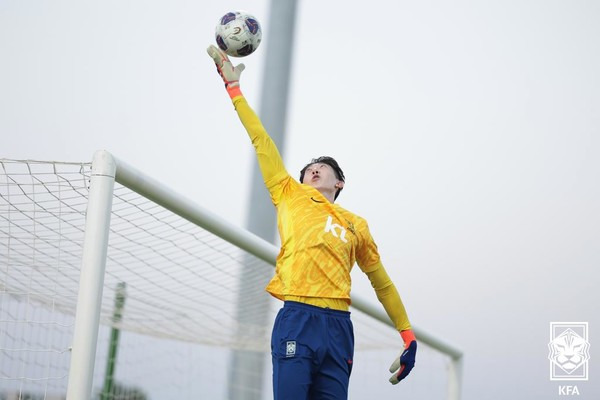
pixel 106 169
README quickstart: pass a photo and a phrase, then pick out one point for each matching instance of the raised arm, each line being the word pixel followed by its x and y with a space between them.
pixel 269 159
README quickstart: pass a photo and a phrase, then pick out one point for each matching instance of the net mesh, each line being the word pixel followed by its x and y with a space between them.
pixel 179 320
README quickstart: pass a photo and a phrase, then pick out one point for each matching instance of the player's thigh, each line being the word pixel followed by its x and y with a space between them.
pixel 292 355
pixel 291 378
pixel 331 382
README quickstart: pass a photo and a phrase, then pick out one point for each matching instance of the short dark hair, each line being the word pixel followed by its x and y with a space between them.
pixel 339 174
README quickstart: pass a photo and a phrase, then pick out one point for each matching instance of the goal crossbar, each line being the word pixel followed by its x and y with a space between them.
pixel 108 169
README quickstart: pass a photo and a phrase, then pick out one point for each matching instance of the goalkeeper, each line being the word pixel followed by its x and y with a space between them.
pixel 312 343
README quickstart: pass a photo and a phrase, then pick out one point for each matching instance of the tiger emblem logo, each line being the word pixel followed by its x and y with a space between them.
pixel 569 351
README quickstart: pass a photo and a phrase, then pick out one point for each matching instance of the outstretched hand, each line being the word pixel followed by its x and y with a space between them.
pixel 229 73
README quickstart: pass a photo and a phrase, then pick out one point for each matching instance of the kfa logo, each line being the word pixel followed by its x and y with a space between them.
pixel 333 228
pixel 568 391
pixel 569 351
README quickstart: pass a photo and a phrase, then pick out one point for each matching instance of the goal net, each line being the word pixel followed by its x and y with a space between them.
pixel 167 313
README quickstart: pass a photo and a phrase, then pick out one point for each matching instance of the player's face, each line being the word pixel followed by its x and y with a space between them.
pixel 321 177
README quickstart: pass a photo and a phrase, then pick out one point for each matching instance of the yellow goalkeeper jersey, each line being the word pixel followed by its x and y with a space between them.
pixel 320 241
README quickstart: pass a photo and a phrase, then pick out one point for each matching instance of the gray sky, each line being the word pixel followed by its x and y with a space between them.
pixel 468 132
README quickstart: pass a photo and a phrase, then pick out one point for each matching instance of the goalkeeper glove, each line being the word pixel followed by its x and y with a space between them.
pixel 229 73
pixel 405 362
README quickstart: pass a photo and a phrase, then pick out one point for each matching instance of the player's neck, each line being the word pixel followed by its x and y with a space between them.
pixel 330 196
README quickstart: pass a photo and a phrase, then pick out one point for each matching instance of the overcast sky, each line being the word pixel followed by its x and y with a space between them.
pixel 468 132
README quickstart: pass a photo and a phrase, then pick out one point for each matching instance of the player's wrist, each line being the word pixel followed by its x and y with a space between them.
pixel 408 336
pixel 233 89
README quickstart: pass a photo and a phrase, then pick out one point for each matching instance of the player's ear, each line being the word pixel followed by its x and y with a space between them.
pixel 339 185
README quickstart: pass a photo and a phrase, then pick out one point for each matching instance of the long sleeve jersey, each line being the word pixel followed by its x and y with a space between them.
pixel 320 241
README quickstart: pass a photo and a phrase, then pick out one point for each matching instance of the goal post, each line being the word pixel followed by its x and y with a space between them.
pixel 66 240
pixel 91 281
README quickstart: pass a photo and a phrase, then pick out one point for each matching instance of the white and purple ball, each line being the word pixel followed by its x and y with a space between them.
pixel 238 33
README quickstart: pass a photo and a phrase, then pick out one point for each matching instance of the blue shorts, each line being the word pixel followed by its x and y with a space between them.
pixel 312 350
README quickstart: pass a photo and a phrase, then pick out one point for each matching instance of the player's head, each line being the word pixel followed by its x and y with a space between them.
pixel 323 174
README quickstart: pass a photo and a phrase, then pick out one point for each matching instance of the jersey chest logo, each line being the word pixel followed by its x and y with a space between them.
pixel 336 229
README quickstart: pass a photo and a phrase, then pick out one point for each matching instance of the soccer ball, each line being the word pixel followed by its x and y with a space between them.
pixel 238 33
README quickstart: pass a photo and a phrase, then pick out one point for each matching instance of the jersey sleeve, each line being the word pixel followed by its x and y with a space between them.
pixel 388 296
pixel 269 160
pixel 367 255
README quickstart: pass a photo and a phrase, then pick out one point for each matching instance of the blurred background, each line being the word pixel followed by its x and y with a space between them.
pixel 469 134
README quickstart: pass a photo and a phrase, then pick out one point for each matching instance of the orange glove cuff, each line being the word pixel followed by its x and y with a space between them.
pixel 408 336
pixel 234 91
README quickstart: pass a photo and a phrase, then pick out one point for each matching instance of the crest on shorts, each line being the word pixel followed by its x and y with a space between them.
pixel 569 351
pixel 290 348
